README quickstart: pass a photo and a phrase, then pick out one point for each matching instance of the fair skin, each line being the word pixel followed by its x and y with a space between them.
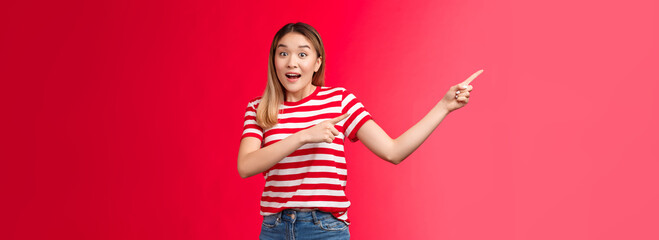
pixel 252 159
pixel 296 55
pixel 396 150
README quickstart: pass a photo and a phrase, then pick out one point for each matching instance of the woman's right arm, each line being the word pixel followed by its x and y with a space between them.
pixel 252 159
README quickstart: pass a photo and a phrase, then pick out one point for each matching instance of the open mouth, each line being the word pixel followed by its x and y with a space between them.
pixel 293 75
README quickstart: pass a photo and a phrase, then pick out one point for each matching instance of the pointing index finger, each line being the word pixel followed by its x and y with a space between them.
pixel 336 120
pixel 472 77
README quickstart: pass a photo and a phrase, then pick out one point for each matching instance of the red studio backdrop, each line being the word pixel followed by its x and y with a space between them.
pixel 122 119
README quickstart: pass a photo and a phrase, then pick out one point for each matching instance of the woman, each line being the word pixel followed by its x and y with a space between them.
pixel 294 135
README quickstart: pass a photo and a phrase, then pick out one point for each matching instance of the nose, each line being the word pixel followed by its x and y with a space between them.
pixel 292 62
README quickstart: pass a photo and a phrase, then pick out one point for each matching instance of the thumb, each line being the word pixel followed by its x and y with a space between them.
pixel 458 87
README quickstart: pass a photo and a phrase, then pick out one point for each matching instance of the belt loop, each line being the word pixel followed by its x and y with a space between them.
pixel 313 214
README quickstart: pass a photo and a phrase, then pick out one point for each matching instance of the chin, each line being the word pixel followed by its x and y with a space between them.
pixel 289 89
pixel 294 87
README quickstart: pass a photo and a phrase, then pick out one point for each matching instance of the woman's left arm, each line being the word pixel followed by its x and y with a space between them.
pixel 396 150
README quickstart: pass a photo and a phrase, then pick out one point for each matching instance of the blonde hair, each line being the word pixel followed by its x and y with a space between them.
pixel 273 96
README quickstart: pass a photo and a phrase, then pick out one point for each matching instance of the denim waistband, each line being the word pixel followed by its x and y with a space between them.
pixel 297 215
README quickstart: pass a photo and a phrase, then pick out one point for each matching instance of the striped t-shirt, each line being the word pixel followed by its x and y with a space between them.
pixel 314 176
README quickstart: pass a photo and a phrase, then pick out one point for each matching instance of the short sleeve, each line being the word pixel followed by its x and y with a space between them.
pixel 250 128
pixel 357 115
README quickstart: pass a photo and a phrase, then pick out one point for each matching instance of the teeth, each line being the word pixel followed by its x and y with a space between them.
pixel 292 75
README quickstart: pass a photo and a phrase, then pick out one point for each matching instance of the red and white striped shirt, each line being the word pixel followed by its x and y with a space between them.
pixel 314 176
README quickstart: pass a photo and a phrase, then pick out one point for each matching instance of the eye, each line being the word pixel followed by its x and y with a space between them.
pixel 283 54
pixel 303 55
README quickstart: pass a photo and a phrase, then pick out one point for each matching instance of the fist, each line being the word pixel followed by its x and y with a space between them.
pixel 323 131
pixel 458 95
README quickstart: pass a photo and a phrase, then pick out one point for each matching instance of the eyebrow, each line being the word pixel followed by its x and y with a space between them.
pixel 301 46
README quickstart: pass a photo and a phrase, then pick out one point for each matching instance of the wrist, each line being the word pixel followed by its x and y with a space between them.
pixel 301 137
pixel 442 108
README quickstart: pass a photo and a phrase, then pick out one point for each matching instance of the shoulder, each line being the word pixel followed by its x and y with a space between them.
pixel 325 90
pixel 254 103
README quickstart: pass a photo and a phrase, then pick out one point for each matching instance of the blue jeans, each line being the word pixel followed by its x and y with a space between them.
pixel 295 225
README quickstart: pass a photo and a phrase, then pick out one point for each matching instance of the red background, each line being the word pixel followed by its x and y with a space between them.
pixel 122 119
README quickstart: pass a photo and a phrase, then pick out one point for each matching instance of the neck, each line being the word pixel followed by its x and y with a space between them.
pixel 299 95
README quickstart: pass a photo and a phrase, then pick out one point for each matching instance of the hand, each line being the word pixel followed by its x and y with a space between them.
pixel 323 131
pixel 458 95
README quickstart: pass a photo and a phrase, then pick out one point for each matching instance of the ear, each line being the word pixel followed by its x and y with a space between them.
pixel 319 61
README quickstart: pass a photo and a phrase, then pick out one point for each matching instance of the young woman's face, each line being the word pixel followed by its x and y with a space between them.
pixel 296 61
